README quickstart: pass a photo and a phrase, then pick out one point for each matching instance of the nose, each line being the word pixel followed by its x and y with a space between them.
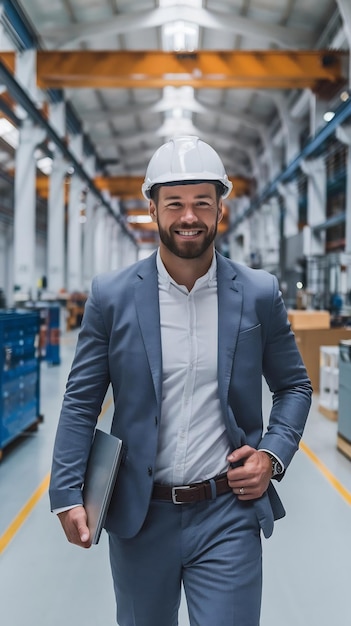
pixel 188 213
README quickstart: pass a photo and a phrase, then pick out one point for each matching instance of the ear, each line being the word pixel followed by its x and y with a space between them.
pixel 220 212
pixel 152 211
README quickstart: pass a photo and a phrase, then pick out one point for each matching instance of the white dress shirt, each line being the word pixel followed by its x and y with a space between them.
pixel 193 442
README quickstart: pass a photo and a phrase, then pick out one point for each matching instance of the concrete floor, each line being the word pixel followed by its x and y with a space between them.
pixel 46 581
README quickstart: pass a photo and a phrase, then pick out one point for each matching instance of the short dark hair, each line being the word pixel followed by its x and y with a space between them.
pixel 154 191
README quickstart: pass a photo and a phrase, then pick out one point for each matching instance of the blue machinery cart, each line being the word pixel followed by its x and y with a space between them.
pixel 19 374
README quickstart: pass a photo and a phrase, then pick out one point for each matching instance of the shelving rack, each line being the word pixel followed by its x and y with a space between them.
pixel 19 374
pixel 329 382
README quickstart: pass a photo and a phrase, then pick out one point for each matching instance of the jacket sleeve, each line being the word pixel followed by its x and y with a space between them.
pixel 288 381
pixel 85 391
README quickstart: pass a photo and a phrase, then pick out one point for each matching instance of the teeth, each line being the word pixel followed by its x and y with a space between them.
pixel 188 233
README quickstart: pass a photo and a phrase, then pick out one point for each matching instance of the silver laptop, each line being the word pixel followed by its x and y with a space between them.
pixel 100 478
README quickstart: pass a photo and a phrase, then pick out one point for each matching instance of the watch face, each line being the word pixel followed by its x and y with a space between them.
pixel 277 468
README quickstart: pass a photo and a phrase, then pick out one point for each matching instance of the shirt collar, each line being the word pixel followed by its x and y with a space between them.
pixel 210 278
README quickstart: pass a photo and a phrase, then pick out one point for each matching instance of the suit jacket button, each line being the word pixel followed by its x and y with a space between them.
pixel 149 470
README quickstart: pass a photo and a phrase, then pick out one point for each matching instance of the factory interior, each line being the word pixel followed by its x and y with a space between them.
pixel 89 89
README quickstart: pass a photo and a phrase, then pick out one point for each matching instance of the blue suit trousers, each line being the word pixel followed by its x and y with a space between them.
pixel 212 547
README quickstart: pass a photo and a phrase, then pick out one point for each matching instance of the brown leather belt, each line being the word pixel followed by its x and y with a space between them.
pixel 196 492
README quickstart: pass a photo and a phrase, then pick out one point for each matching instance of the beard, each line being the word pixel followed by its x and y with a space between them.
pixel 190 249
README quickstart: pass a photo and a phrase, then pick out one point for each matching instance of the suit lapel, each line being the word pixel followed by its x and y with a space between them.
pixel 230 300
pixel 148 312
pixel 229 316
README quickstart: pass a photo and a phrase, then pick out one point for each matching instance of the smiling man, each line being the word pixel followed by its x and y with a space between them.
pixel 187 218
pixel 184 338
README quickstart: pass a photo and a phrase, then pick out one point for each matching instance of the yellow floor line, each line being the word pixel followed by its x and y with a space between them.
pixel 43 487
pixel 343 492
pixel 21 517
pixel 23 514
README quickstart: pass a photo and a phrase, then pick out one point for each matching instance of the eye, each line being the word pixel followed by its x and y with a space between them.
pixel 204 204
pixel 174 205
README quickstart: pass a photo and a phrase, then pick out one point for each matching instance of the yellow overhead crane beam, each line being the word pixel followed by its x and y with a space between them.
pixel 261 69
pixel 129 187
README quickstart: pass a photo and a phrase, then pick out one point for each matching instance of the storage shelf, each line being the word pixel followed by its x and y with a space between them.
pixel 329 382
pixel 19 374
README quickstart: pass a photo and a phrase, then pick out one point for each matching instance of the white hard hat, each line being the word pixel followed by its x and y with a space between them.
pixel 185 159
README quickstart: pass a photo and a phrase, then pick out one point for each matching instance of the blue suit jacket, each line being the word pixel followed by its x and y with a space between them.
pixel 120 343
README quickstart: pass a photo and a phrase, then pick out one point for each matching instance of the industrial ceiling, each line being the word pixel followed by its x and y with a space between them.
pixel 136 72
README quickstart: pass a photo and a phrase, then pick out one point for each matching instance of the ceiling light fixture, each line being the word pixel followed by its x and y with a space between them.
pixel 344 96
pixel 139 219
pixel 9 133
pixel 328 116
pixel 44 164
pixel 180 36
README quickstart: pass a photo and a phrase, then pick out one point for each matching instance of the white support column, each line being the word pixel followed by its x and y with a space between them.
pixel 57 116
pixel 114 243
pixel 88 228
pixel 99 241
pixel 264 236
pixel 239 239
pixel 114 252
pixel 88 242
pixel 343 134
pixel 74 235
pixel 255 259
pixel 290 129
pixel 128 251
pixel 292 147
pixel 25 208
pixel 109 225
pixel 316 172
pixel 8 268
pixel 272 234
pixel 277 159
pixel 290 194
pixel 120 248
pixel 56 225
pixel 56 206
pixel 345 12
pixel 104 255
pixel 74 229
pixel 317 110
pixel 26 74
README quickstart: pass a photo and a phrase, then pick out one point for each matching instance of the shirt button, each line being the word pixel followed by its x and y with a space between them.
pixel 149 470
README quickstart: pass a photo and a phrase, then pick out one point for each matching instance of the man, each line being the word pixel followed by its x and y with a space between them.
pixel 184 337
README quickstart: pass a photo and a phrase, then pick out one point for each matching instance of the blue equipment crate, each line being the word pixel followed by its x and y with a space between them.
pixel 19 374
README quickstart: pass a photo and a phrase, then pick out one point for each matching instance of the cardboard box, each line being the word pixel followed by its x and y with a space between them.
pixel 305 320
pixel 309 342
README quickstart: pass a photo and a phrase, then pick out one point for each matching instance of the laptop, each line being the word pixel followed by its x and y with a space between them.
pixel 100 478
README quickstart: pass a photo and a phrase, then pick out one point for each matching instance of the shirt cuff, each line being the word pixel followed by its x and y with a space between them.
pixel 275 456
pixel 65 508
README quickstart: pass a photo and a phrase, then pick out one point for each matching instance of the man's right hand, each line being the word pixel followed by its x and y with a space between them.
pixel 74 523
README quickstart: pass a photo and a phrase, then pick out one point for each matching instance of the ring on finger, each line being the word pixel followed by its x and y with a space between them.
pixel 242 491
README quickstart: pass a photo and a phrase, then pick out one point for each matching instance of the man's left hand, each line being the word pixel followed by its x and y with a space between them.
pixel 251 479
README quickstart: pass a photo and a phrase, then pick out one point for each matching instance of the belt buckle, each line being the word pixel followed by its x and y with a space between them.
pixel 174 493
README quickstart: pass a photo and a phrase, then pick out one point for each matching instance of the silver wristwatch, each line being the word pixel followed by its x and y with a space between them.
pixel 277 468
